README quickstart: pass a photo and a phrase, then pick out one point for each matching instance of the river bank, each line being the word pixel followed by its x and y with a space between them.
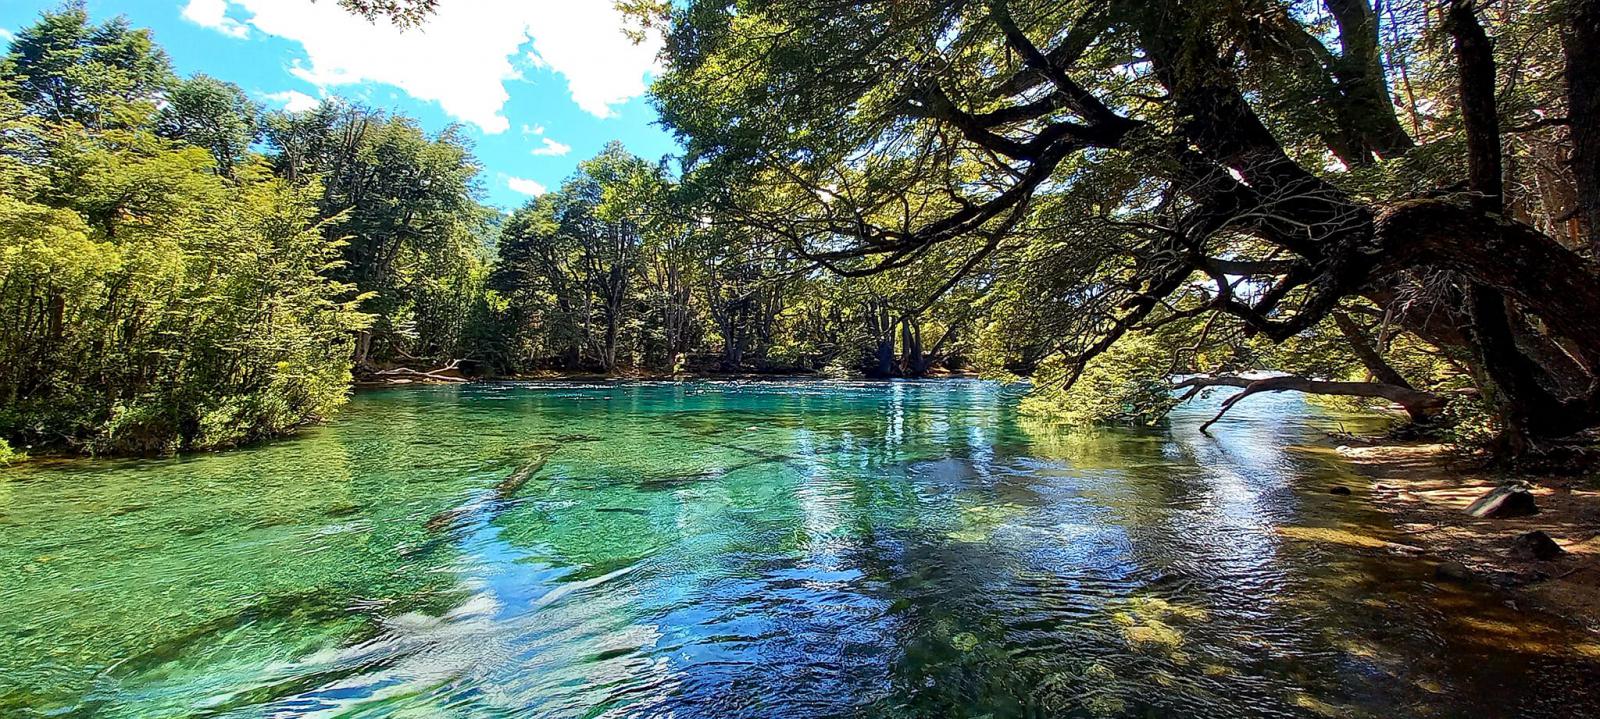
pixel 1427 489
pixel 454 375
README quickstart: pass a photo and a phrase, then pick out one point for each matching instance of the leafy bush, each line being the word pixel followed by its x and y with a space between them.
pixel 1470 422
pixel 10 456
pixel 167 307
pixel 1127 385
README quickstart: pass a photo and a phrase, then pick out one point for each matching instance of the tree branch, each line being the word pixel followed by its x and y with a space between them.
pixel 1420 405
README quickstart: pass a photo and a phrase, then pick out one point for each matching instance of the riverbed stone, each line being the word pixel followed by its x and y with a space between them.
pixel 1338 489
pixel 1506 501
pixel 1453 571
pixel 1536 545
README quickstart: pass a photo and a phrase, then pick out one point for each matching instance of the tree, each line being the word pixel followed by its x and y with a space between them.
pixel 65 69
pixel 867 138
pixel 537 274
pixel 669 267
pixel 405 205
pixel 571 262
pixel 163 289
pixel 599 208
pixel 165 308
pixel 212 114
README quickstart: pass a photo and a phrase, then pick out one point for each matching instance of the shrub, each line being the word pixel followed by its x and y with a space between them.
pixel 1127 385
pixel 9 456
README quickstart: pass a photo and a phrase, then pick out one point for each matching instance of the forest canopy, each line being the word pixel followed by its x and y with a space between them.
pixel 1125 201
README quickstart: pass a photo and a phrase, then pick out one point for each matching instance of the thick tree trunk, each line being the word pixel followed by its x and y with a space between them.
pixel 1529 409
pixel 1582 45
pixel 1552 283
pixel 913 363
pixel 733 322
pixel 881 328
pixel 608 355
pixel 363 347
pixel 1362 78
pixel 883 353
pixel 1475 81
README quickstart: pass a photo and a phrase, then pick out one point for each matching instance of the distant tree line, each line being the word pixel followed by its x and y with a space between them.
pixel 623 269
pixel 182 269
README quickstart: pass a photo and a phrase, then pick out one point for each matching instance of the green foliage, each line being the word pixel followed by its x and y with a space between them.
pixel 1470 422
pixel 8 455
pixel 593 273
pixel 191 314
pixel 405 206
pixel 1099 197
pixel 212 114
pixel 66 69
pixel 149 303
pixel 1127 385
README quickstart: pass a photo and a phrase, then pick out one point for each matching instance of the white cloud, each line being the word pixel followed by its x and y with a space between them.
pixel 533 129
pixel 461 57
pixel 214 14
pixel 292 100
pixel 7 35
pixel 583 41
pixel 525 186
pixel 552 148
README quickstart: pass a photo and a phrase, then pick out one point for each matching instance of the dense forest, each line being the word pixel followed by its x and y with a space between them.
pixel 1126 201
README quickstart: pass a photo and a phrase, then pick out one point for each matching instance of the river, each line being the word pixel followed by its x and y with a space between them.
pixel 748 549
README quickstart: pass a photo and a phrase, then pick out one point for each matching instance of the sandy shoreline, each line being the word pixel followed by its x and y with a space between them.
pixel 1426 489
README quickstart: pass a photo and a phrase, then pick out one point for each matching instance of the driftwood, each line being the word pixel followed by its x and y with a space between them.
pixel 1419 404
pixel 431 375
pixel 511 484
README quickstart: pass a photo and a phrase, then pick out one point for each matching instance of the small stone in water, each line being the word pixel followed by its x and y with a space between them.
pixel 1453 571
pixel 1536 545
pixel 1338 489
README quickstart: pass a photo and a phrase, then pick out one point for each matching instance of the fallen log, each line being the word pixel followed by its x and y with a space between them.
pixel 491 502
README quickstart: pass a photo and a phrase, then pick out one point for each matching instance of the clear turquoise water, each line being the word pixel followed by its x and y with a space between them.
pixel 788 549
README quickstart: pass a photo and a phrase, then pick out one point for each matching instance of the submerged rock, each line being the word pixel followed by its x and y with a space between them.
pixel 1505 501
pixel 1536 545
pixel 1338 489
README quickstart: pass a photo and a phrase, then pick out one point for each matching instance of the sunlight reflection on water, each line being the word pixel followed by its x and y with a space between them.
pixel 760 549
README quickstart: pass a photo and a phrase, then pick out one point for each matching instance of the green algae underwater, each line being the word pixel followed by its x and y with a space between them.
pixel 747 549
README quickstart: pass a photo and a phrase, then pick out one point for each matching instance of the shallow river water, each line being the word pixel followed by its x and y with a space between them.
pixel 784 549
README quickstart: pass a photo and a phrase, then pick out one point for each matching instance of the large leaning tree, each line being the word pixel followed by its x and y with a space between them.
pixel 1243 159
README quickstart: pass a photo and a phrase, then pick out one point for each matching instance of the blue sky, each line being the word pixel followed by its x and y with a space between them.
pixel 539 84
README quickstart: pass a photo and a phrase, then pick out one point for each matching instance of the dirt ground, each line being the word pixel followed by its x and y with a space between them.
pixel 1427 487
